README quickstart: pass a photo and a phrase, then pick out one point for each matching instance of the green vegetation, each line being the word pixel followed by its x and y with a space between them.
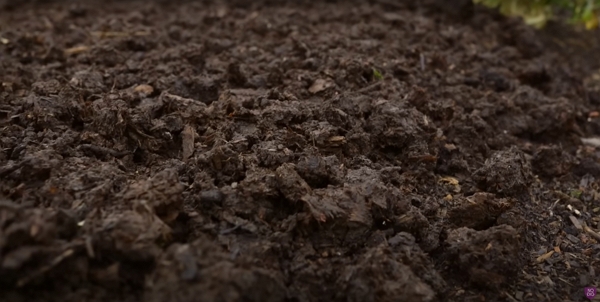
pixel 538 12
pixel 377 74
pixel 576 193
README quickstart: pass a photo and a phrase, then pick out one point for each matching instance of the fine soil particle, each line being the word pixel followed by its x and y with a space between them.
pixel 294 151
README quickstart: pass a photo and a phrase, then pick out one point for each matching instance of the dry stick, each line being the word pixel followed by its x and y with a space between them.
pixel 103 151
pixel 46 268
pixel 591 232
pixel 373 87
pixel 89 247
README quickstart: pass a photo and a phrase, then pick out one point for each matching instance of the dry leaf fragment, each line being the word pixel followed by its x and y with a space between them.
pixel 544 257
pixel 187 137
pixel 318 86
pixel 144 89
pixel 452 182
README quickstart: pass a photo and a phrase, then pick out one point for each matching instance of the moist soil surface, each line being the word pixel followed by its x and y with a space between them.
pixel 295 151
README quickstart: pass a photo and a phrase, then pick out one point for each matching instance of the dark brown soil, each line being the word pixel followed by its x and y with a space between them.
pixel 294 151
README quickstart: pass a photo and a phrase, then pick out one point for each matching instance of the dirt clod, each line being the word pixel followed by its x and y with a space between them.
pixel 487 257
pixel 295 151
pixel 505 172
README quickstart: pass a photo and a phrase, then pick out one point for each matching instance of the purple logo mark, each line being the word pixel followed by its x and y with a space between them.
pixel 590 292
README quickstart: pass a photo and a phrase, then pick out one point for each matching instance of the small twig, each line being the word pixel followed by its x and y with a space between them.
pixel 373 87
pixel 552 207
pixel 103 151
pixel 230 230
pixel 118 34
pixel 76 50
pixel 89 247
pixel 591 232
pixel 46 268
pixel 179 99
pixel 510 297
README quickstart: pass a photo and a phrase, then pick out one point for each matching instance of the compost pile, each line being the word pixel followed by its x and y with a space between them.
pixel 293 151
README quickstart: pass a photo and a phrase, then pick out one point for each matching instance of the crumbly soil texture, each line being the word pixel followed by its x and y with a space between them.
pixel 294 151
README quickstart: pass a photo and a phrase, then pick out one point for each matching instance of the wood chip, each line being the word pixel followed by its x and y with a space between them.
pixel 576 222
pixel 544 257
pixel 187 138
pixel 573 239
pixel 592 233
pixel 592 141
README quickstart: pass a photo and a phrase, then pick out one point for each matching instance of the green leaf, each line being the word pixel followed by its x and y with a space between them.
pixel 537 12
pixel 377 74
pixel 576 193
